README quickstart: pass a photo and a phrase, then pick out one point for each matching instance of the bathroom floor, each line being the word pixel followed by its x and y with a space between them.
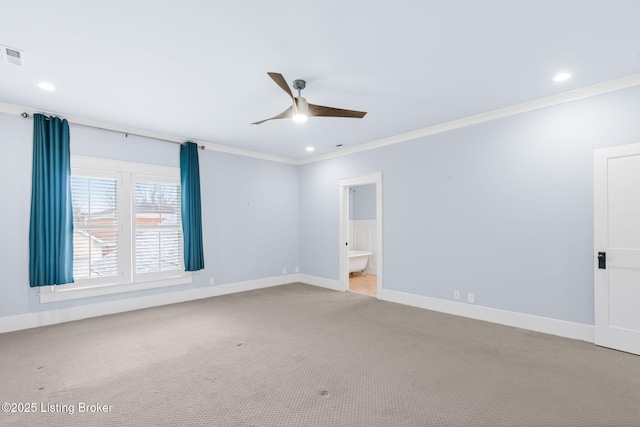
pixel 363 284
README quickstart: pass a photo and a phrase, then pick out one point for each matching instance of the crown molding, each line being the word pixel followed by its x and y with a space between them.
pixel 18 110
pixel 574 95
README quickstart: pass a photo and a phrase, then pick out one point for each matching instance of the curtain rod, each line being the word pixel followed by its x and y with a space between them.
pixel 126 134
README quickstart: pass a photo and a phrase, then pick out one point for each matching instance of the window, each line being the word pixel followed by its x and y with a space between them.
pixel 95 227
pixel 127 229
pixel 158 230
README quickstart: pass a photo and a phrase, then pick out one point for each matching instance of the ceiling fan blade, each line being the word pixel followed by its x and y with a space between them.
pixel 280 81
pixel 288 113
pixel 320 111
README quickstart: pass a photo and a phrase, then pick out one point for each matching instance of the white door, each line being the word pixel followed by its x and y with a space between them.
pixel 617 243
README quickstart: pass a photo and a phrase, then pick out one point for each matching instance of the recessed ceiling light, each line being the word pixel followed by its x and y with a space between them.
pixel 560 77
pixel 310 149
pixel 46 86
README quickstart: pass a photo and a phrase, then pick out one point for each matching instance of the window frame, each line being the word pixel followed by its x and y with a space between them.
pixel 126 280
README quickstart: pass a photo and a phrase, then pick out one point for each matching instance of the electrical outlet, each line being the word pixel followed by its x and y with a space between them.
pixel 471 298
pixel 456 294
pixel 211 281
pixel 284 271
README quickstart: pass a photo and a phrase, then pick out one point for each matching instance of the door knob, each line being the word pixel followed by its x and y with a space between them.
pixel 602 260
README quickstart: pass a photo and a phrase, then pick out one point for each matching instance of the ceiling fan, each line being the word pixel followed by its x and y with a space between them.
pixel 300 108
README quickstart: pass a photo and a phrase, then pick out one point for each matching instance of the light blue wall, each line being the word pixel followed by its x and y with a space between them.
pixel 250 211
pixel 15 193
pixel 503 209
pixel 362 202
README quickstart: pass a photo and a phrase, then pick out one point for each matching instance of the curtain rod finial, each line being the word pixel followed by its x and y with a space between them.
pixel 25 115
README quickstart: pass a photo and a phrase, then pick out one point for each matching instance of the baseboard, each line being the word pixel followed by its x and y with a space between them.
pixel 546 325
pixel 51 317
pixel 525 321
pixel 320 282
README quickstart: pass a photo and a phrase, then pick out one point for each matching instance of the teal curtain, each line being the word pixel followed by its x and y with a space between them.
pixel 191 207
pixel 51 227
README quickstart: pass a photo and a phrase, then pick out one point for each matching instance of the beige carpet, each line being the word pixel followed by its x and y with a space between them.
pixel 297 355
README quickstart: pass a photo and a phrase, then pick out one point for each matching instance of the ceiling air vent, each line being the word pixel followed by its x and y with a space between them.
pixel 12 56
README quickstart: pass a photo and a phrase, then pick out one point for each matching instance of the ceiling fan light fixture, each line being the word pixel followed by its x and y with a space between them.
pixel 301 110
pixel 299 118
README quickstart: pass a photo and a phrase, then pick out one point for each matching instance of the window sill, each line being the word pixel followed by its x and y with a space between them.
pixel 60 293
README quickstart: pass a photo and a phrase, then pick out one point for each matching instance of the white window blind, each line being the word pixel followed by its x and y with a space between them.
pixel 95 227
pixel 158 229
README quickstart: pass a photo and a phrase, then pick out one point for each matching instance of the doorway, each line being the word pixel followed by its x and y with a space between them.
pixel 361 234
pixel 362 240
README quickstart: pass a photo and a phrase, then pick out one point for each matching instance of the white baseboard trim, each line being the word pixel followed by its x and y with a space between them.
pixel 320 282
pixel 52 317
pixel 562 328
pixel 519 320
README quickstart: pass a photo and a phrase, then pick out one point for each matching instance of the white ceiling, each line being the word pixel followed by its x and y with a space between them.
pixel 197 69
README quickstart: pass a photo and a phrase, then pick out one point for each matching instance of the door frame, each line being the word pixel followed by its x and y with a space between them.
pixel 343 187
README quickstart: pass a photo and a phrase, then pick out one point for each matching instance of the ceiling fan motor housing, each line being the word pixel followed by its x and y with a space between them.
pixel 299 84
